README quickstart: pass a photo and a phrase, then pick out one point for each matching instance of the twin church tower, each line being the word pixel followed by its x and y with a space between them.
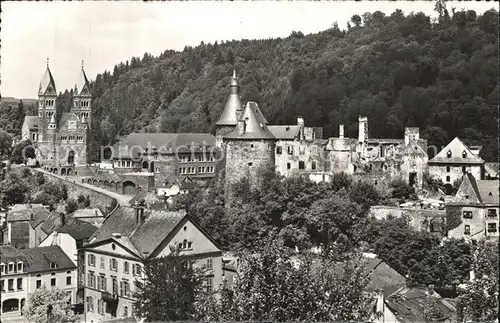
pixel 63 142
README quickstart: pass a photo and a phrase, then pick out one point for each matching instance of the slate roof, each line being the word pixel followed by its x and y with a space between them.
pixel 285 132
pixel 64 118
pixel 488 191
pixel 408 305
pixel 32 121
pixel 493 169
pixel 456 146
pixel 40 213
pixel 39 259
pixel 81 82
pixel 51 222
pixel 78 229
pixel 255 125
pixel 165 142
pixel 47 80
pixel 9 253
pixel 145 237
pixel 233 105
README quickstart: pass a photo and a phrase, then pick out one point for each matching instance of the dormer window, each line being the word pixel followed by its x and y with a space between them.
pixel 464 154
pixel 2 269
pixel 448 154
pixel 53 265
pixel 11 267
pixel 19 267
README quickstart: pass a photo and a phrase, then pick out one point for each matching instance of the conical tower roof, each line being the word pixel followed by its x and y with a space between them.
pixel 83 119
pixel 229 116
pixel 255 127
pixel 82 83
pixel 53 119
pixel 47 84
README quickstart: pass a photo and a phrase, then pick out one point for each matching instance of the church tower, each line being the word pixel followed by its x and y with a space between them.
pixel 232 111
pixel 82 98
pixel 47 95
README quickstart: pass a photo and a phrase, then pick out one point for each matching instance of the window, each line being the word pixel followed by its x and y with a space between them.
pixel 209 284
pixel 448 154
pixel 448 168
pixel 302 150
pixel 101 282
pixel 313 165
pixel 11 284
pixel 2 287
pixel 376 182
pixel 19 284
pixel 467 229
pixel 68 280
pixel 90 304
pixel 467 214
pixel 102 262
pixel 210 264
pixel 288 165
pixel 125 311
pixel 38 283
pixel 302 165
pixel 250 164
pixel 52 282
pixel 492 227
pixel 290 150
pixel 91 280
pixel 492 212
pixel 91 260
pixel 53 265
pixel 464 154
pixel 464 169
pixel 11 267
pixel 113 264
pixel 279 150
pixel 115 286
pixel 126 268
pixel 100 306
pixel 448 178
pixel 124 288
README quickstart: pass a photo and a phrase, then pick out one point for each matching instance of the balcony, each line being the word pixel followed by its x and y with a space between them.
pixel 109 298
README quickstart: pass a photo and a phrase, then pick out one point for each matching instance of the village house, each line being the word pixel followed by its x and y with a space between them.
pixel 24 271
pixel 24 225
pixel 116 253
pixel 474 211
pixel 455 160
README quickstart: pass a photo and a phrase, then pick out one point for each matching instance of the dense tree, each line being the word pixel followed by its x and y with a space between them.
pixel 168 289
pixel 37 306
pixel 22 151
pixel 5 145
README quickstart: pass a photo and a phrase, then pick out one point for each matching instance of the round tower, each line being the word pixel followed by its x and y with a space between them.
pixel 232 111
pixel 249 148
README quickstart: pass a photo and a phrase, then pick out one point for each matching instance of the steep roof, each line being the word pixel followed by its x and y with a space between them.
pixel 31 121
pixel 51 222
pixel 285 132
pixel 255 125
pixel 145 237
pixel 64 118
pixel 78 229
pixel 9 253
pixel 488 191
pixel 229 116
pixel 40 213
pixel 82 85
pixel 457 148
pixel 47 84
pixel 40 259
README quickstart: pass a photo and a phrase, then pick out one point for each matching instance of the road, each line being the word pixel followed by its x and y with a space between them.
pixel 121 199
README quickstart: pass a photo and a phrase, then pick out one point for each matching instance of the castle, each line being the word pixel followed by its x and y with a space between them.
pixel 250 144
pixel 60 144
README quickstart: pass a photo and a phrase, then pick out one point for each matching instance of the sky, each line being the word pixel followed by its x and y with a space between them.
pixel 103 34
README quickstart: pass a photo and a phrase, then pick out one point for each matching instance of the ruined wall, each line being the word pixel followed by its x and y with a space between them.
pixel 245 158
pixel 419 218
pixel 289 154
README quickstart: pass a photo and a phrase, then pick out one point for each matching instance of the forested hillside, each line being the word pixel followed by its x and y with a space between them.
pixel 398 70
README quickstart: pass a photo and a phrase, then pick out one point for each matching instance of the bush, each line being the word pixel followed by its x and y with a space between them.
pixel 402 190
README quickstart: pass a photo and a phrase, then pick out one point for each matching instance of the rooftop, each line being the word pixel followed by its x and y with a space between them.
pixel 78 229
pixel 255 125
pixel 285 132
pixel 42 258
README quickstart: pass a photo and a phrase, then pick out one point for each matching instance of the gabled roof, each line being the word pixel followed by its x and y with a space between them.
pixel 82 85
pixel 51 222
pixel 144 237
pixel 255 125
pixel 488 191
pixel 47 84
pixel 78 229
pixel 40 213
pixel 31 121
pixel 285 132
pixel 456 147
pixel 9 253
pixel 229 116
pixel 65 117
pixel 40 259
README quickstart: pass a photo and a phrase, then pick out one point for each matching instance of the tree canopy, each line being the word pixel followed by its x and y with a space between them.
pixel 37 306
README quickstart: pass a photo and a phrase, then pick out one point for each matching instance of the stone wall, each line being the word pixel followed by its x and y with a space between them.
pixel 289 154
pixel 98 200
pixel 454 173
pixel 419 218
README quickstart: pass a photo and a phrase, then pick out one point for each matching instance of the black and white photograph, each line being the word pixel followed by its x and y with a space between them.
pixel 249 161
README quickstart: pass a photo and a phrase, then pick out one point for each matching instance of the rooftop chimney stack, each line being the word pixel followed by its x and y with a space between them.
pixel 300 123
pixel 341 131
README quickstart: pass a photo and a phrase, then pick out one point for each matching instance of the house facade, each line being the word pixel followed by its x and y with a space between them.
pixel 117 252
pixel 474 212
pixel 455 160
pixel 24 271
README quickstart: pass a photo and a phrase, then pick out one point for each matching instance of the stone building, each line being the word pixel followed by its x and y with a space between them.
pixel 62 144
pixel 474 211
pixel 455 160
pixel 118 250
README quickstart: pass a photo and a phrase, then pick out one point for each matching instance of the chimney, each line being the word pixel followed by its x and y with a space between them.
pixel 139 213
pixel 363 129
pixel 341 131
pixel 300 123
pixel 62 220
pixel 241 127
